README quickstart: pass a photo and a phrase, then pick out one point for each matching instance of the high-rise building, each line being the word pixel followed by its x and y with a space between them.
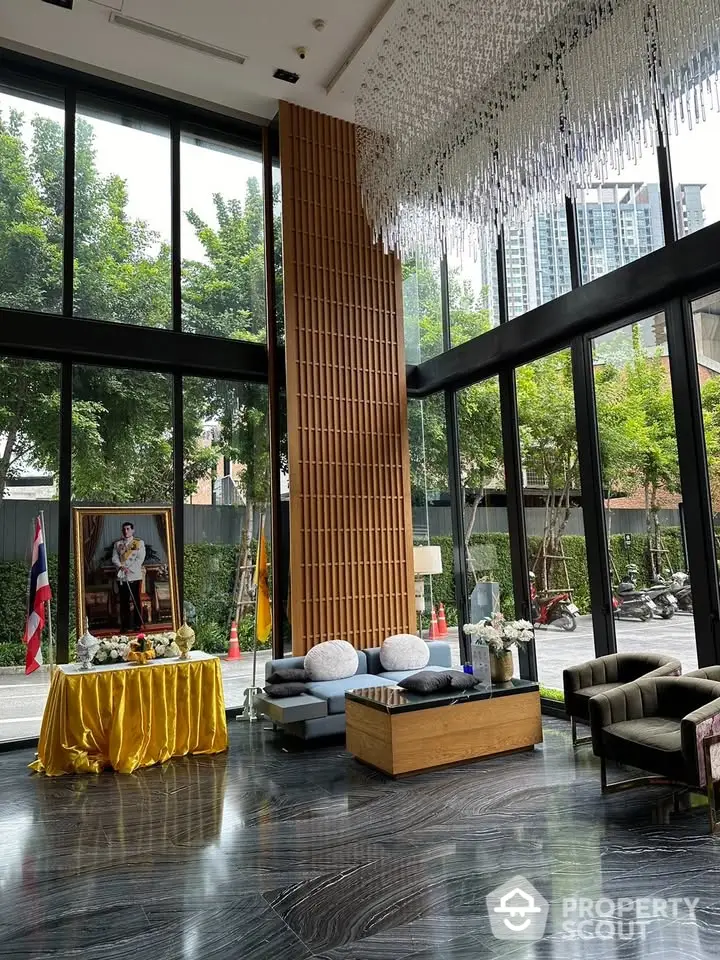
pixel 617 223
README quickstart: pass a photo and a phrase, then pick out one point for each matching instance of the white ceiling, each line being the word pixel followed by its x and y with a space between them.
pixel 267 32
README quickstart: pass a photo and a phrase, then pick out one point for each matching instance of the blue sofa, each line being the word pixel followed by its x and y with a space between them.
pixel 321 711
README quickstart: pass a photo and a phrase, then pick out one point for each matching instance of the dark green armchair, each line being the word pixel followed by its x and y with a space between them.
pixel 584 681
pixel 668 726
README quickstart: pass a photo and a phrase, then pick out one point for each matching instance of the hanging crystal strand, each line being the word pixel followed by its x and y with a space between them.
pixel 471 114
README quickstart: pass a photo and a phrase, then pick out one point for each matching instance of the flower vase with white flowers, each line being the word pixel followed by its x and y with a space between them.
pixel 119 649
pixel 501 636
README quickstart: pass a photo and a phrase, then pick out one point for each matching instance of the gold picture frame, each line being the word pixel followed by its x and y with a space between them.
pixel 154 605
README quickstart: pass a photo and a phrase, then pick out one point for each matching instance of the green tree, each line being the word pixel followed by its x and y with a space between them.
pixel 481 455
pixel 122 445
pixel 546 411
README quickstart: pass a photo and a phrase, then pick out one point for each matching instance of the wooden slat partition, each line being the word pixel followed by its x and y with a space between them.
pixel 350 515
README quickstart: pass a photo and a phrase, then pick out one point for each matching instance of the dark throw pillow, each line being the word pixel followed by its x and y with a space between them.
pixel 277 690
pixel 436 681
pixel 459 680
pixel 287 675
pixel 426 681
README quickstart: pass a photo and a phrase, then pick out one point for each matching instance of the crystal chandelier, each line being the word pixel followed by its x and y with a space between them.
pixel 473 113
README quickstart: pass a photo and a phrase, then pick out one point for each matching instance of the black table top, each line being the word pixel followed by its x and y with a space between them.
pixel 398 700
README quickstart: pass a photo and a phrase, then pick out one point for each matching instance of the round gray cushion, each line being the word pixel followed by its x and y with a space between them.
pixel 404 651
pixel 331 660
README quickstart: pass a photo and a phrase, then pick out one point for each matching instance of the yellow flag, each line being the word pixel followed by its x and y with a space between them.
pixel 263 616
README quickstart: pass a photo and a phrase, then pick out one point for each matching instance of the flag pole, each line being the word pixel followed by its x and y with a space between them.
pixel 249 712
pixel 51 650
pixel 257 591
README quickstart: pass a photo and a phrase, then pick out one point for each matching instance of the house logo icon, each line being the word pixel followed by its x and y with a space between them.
pixel 517 911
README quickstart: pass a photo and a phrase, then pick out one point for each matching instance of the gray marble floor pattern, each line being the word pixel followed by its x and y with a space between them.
pixel 278 851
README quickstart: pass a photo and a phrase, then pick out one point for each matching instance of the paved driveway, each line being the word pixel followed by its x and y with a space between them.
pixel 557 650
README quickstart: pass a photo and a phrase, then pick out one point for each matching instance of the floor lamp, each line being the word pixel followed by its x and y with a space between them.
pixel 427 562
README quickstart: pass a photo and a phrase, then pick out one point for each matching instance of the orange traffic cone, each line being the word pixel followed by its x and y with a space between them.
pixel 442 622
pixel 433 635
pixel 234 650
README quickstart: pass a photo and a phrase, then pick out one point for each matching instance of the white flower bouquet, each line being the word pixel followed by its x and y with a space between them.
pixel 117 649
pixel 500 634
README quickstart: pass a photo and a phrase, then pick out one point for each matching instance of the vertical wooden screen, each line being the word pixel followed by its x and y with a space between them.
pixel 350 515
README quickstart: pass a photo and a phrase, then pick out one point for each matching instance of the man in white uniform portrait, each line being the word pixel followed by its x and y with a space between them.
pixel 128 557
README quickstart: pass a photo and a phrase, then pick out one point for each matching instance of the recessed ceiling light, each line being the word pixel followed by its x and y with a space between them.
pixel 65 4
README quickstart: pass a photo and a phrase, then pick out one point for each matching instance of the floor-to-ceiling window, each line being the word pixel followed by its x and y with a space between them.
pixel 227 501
pixel 122 215
pixel 552 500
pixel 32 197
pixel 167 220
pixel 222 240
pixel 422 310
pixel 473 294
pixel 641 487
pixel 430 498
pixel 620 219
pixel 537 259
pixel 486 538
pixel 29 452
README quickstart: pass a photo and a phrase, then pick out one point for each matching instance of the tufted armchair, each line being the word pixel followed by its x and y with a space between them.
pixel 584 681
pixel 669 726
pixel 705 673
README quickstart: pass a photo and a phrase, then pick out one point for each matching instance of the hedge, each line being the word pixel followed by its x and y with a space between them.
pixel 210 574
pixel 574 547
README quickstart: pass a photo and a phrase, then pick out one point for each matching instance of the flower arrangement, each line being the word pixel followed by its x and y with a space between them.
pixel 500 634
pixel 121 648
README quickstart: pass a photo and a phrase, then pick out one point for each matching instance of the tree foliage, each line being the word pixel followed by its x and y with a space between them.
pixel 634 408
pixel 122 419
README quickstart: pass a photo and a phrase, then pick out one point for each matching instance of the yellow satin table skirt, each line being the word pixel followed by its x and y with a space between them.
pixel 131 716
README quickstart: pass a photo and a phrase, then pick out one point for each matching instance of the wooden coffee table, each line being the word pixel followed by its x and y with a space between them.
pixel 401 732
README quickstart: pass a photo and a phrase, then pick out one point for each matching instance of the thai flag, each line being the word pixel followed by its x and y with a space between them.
pixel 38 595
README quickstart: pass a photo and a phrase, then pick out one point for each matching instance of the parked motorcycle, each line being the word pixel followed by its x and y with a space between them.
pixel 558 609
pixel 679 583
pixel 631 603
pixel 660 592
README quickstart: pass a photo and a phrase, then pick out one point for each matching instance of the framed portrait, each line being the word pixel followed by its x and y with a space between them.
pixel 125 571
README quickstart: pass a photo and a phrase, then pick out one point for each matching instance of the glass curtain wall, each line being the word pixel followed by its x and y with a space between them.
pixel 222 240
pixel 422 309
pixel 620 219
pixel 473 294
pixel 122 216
pixel 552 500
pixel 29 455
pixel 122 456
pixel 227 504
pixel 32 198
pixel 537 256
pixel 117 426
pixel 431 506
pixel 485 521
pixel 641 486
pixel 693 145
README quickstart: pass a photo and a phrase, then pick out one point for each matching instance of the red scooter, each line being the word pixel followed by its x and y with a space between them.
pixel 558 609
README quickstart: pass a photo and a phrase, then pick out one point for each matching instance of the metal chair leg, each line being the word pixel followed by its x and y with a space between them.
pixel 618 785
pixel 576 740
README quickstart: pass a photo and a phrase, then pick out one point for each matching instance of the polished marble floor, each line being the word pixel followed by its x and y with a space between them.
pixel 283 853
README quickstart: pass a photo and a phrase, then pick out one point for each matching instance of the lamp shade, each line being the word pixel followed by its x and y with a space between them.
pixel 427 560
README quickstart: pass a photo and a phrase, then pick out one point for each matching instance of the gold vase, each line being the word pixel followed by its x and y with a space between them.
pixel 501 666
pixel 184 638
